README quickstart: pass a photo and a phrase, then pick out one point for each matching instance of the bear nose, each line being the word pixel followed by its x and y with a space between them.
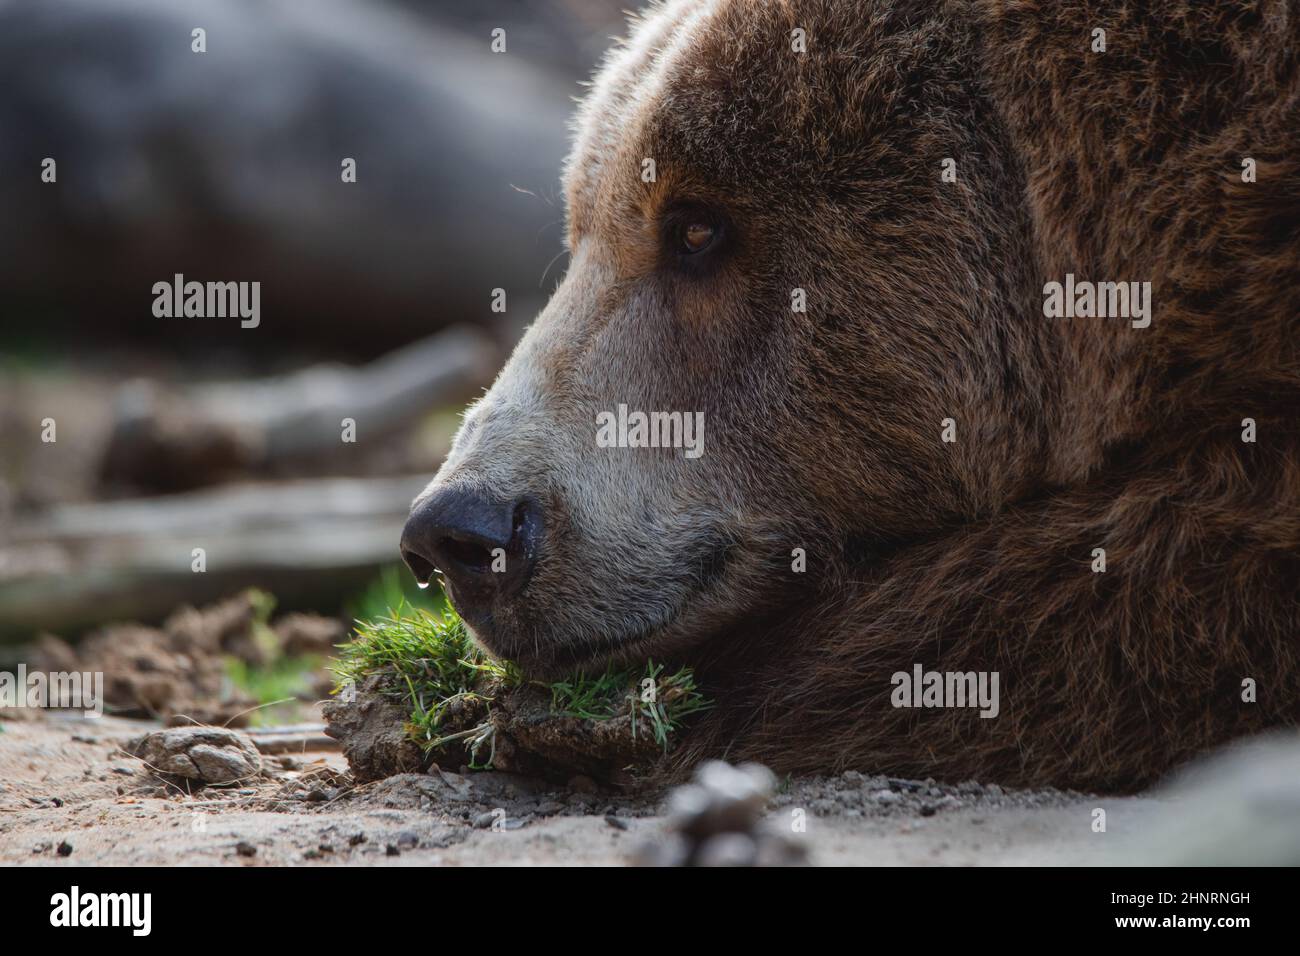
pixel 484 547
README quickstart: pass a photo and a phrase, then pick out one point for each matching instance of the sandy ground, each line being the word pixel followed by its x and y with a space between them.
pixel 69 795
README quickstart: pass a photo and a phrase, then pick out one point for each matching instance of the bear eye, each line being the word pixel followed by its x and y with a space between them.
pixel 696 237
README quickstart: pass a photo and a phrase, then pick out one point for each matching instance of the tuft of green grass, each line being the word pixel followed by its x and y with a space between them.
pixel 431 664
pixel 649 697
pixel 430 652
pixel 435 668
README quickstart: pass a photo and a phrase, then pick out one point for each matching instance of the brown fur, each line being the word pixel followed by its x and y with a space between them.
pixel 925 302
pixel 1130 162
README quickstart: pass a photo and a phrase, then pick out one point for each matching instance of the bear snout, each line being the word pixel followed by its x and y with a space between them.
pixel 484 547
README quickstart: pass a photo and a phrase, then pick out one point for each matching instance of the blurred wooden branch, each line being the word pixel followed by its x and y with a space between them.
pixel 79 565
pixel 207 434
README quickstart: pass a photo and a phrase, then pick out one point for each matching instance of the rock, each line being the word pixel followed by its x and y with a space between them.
pixel 727 849
pixel 717 820
pixel 210 755
pixel 723 799
pixel 244 848
pixel 1239 806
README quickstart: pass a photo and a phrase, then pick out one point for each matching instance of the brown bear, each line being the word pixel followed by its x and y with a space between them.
pixel 974 327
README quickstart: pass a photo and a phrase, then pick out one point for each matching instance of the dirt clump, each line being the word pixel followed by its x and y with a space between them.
pixel 532 739
pixel 521 734
pixel 371 726
pixel 309 634
pixel 179 672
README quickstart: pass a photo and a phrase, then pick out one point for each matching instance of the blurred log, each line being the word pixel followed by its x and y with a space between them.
pixel 162 441
pixel 81 565
pixel 227 166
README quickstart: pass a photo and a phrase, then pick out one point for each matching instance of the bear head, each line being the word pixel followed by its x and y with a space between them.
pixel 799 251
